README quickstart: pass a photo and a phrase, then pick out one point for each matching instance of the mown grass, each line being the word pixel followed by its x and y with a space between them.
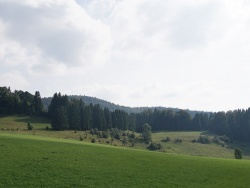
pixel 34 161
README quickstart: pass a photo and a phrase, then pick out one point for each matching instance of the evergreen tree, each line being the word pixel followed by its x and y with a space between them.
pixel 238 154
pixel 146 134
pixel 108 119
pixel 38 105
pixel 74 115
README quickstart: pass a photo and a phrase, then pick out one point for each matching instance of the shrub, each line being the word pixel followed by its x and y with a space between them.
pixel 132 143
pixel 166 139
pixel 117 136
pixel 81 139
pixel 105 134
pixel 203 140
pixel 237 154
pixel 194 141
pixel 131 135
pixel 154 146
pixel 93 140
pixel 100 134
pixel 29 126
pixel 47 128
pixel 218 141
pixel 225 139
pixel 124 141
pixel 124 134
pixel 178 140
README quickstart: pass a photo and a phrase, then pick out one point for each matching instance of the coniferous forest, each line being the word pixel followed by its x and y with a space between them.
pixel 74 114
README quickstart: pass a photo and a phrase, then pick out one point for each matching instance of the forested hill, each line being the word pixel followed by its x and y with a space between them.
pixel 111 106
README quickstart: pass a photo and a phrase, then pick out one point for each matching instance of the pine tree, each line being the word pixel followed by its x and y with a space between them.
pixel 37 101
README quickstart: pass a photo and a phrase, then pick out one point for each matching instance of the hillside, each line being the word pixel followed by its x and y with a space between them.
pixel 222 149
pixel 111 106
pixel 33 161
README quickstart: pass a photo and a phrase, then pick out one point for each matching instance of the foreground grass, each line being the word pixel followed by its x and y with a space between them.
pixel 33 161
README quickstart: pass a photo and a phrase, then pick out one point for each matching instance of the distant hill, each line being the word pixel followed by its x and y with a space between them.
pixel 111 106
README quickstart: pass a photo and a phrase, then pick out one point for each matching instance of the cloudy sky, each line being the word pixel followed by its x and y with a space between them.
pixel 190 54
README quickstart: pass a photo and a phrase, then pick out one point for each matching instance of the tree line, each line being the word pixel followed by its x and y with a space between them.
pixel 74 114
pixel 20 102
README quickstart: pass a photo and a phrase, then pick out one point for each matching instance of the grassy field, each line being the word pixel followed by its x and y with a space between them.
pixel 18 125
pixel 35 161
pixel 20 122
pixel 187 147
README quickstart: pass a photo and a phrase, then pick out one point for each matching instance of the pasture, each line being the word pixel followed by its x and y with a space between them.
pixel 18 125
pixel 35 161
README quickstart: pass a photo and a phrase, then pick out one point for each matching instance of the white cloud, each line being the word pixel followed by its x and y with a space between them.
pixel 186 53
pixel 61 33
pixel 14 79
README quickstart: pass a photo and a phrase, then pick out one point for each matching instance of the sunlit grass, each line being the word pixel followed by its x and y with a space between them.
pixel 34 161
pixel 18 125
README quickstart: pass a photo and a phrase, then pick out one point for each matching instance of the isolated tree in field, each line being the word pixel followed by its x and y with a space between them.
pixel 237 154
pixel 29 126
pixel 146 134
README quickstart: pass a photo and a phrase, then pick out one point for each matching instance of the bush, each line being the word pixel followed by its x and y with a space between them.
pixel 124 134
pixel 124 141
pixel 218 141
pixel 237 154
pixel 203 140
pixel 81 139
pixel 47 128
pixel 100 134
pixel 131 135
pixel 29 126
pixel 194 141
pixel 132 143
pixel 154 146
pixel 105 134
pixel 178 140
pixel 93 140
pixel 117 136
pixel 166 139
pixel 225 139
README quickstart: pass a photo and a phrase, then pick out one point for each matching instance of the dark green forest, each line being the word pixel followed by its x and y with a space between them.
pixel 111 106
pixel 20 102
pixel 69 113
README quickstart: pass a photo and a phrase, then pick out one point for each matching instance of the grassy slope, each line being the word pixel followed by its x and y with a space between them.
pixel 20 122
pixel 34 161
pixel 198 149
pixel 186 147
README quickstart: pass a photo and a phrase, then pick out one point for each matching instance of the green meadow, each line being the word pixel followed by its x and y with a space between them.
pixel 34 161
pixel 41 158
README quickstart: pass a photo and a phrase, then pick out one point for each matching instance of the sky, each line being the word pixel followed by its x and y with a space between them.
pixel 189 54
